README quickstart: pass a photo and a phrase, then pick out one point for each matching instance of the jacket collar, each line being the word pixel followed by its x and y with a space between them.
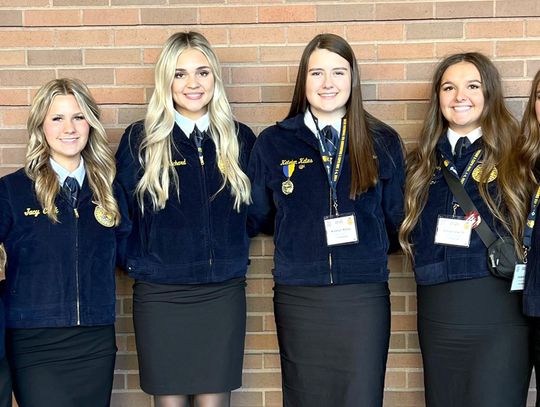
pixel 297 126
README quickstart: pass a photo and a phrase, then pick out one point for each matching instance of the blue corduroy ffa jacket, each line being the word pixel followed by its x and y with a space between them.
pixel 435 263
pixel 57 275
pixel 197 238
pixel 302 256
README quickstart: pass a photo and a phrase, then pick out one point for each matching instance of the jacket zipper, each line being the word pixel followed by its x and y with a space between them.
pixel 76 212
pixel 329 250
pixel 207 206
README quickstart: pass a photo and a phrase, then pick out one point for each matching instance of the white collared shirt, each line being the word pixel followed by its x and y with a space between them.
pixel 79 173
pixel 453 137
pixel 187 125
pixel 310 123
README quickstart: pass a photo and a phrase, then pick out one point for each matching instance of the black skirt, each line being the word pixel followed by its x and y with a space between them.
pixel 333 344
pixel 5 384
pixel 62 367
pixel 190 338
pixel 475 344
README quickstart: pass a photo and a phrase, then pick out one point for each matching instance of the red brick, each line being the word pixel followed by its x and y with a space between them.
pixel 404 11
pixel 442 49
pixel 518 48
pixel 27 77
pixel 280 14
pixel 375 32
pixel 274 74
pixel 345 12
pixel 227 15
pixel 134 76
pixel 281 54
pixel 257 35
pixel 522 8
pixel 246 399
pixel 13 156
pixel 236 54
pixel 140 36
pixel 462 9
pixel 261 380
pixel 12 58
pixel 161 16
pixel 23 38
pixel 494 29
pixel 111 17
pixel 91 76
pixel 261 341
pixel 55 57
pixel 404 91
pixel 278 93
pixel 112 56
pixel 84 37
pixel 434 30
pixel 382 72
pixel 11 18
pixel 302 34
pixel 52 18
pixel 405 51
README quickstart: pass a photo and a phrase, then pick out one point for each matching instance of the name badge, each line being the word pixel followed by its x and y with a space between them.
pixel 341 229
pixel 518 281
pixel 453 231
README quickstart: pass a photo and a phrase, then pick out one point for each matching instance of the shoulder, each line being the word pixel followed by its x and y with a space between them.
pixel 282 128
pixel 133 134
pixel 245 134
pixel 385 138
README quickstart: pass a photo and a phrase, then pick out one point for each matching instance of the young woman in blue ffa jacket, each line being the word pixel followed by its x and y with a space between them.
pixel 182 170
pixel 473 336
pixel 328 183
pixel 58 218
pixel 530 154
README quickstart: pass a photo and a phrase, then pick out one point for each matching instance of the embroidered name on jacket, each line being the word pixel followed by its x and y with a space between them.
pixel 176 163
pixel 300 162
pixel 36 212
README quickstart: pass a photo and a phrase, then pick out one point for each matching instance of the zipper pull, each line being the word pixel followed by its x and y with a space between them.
pixel 76 212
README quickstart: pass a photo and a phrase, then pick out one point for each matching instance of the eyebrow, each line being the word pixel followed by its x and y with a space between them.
pixel 471 81
pixel 344 68
pixel 197 69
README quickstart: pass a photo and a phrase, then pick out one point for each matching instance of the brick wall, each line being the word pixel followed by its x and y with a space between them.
pixel 112 45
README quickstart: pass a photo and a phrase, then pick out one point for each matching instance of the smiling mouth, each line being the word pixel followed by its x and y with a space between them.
pixel 193 96
pixel 462 108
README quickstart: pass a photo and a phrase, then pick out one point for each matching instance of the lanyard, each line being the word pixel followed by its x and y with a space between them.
pixel 333 165
pixel 466 173
pixel 531 219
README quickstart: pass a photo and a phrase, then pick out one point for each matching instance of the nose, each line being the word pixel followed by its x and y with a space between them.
pixel 68 127
pixel 460 95
pixel 192 82
pixel 327 81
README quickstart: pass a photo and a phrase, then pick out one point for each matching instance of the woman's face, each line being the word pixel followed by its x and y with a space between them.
pixel 193 84
pixel 66 131
pixel 461 98
pixel 328 84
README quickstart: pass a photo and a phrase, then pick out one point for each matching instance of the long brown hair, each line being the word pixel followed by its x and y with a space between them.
pixel 530 132
pixel 364 170
pixel 500 133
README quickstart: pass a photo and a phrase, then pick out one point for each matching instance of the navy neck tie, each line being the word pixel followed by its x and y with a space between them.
pixel 462 144
pixel 197 136
pixel 331 138
pixel 71 188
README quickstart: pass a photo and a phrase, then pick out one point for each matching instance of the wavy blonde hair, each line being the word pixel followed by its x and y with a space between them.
pixel 155 154
pixel 97 155
pixel 500 133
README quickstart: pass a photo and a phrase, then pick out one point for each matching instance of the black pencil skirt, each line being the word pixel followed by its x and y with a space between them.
pixel 190 338
pixel 333 344
pixel 5 384
pixel 475 344
pixel 62 367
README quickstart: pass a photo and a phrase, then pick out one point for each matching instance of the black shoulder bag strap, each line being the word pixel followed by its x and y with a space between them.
pixel 465 202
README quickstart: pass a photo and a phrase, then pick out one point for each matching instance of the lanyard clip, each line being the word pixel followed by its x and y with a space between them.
pixel 454 208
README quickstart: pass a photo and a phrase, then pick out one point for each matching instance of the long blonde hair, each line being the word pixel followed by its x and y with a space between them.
pixel 155 153
pixel 97 155
pixel 500 133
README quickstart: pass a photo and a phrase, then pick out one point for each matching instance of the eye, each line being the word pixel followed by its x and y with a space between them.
pixel 179 75
pixel 538 96
pixel 339 73
pixel 474 86
pixel 79 117
pixel 204 73
pixel 447 88
pixel 56 119
pixel 315 73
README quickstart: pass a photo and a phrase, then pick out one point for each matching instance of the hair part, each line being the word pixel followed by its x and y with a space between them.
pixel 364 169
pixel 499 135
pixel 97 155
pixel 155 154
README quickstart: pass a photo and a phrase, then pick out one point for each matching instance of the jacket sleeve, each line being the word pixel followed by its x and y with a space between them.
pixel 124 228
pixel 127 164
pixel 6 214
pixel 262 210
pixel 393 181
